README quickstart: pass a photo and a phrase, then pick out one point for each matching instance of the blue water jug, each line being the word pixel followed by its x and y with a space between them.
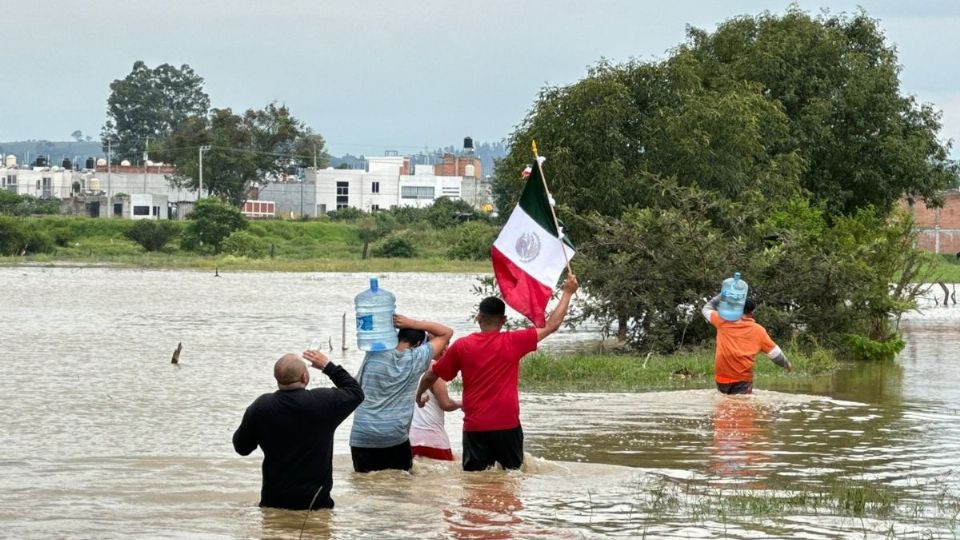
pixel 733 295
pixel 375 308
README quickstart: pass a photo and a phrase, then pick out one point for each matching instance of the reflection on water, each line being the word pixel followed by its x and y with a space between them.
pixel 739 438
pixel 102 437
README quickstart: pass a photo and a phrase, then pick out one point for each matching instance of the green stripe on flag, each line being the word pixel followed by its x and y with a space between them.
pixel 535 203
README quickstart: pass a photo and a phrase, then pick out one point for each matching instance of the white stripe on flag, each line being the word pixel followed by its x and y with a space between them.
pixel 532 248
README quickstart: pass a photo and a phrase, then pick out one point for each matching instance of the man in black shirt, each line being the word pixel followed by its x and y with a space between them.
pixel 294 428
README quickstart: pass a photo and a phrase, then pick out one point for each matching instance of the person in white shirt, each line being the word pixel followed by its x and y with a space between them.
pixel 428 437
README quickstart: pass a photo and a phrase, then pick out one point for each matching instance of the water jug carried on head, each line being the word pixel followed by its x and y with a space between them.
pixel 733 295
pixel 375 309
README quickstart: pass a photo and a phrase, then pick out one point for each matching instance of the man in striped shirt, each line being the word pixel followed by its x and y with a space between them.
pixel 380 438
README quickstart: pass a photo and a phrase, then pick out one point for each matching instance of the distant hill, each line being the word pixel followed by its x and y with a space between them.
pixel 54 150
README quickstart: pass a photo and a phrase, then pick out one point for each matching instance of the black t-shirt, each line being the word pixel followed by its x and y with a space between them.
pixel 294 428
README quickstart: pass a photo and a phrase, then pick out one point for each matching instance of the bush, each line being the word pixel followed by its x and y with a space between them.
pixel 345 214
pixel 152 235
pixel 473 241
pixel 395 247
pixel 17 238
pixel 26 205
pixel 211 223
pixel 245 244
pixel 445 213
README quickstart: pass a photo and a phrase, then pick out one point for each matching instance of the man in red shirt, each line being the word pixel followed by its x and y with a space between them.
pixel 490 363
pixel 738 342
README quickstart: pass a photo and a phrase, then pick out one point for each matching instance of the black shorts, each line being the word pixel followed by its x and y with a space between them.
pixel 741 387
pixel 484 449
pixel 378 459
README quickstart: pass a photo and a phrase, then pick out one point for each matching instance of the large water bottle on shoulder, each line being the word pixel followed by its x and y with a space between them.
pixel 375 308
pixel 733 295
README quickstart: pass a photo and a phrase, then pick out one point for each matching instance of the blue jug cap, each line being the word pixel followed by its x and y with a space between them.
pixel 374 284
pixel 736 275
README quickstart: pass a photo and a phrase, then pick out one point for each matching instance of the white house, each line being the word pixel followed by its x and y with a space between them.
pixel 385 185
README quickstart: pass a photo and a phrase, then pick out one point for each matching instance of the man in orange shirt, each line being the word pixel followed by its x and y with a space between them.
pixel 738 342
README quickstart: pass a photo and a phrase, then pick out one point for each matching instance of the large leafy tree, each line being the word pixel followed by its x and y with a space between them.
pixel 151 103
pixel 244 150
pixel 672 174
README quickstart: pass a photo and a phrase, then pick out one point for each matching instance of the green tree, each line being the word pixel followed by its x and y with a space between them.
pixel 150 103
pixel 245 150
pixel 777 146
pixel 213 221
pixel 862 141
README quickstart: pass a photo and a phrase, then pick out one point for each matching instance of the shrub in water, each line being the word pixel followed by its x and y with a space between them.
pixel 395 246
pixel 245 244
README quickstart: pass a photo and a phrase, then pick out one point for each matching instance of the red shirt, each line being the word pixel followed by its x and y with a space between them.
pixel 490 363
pixel 737 343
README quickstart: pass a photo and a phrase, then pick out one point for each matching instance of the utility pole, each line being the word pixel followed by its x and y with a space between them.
pixel 203 149
pixel 146 154
pixel 109 179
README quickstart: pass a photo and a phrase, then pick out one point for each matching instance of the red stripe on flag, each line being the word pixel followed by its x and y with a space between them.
pixel 520 290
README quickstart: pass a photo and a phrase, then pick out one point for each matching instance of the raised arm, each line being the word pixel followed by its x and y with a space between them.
pixel 441 333
pixel 555 319
pixel 709 307
pixel 347 395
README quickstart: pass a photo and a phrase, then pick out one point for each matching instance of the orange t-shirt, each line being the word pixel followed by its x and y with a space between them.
pixel 737 344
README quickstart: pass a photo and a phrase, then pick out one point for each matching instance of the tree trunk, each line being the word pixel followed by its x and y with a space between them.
pixel 621 327
pixel 365 246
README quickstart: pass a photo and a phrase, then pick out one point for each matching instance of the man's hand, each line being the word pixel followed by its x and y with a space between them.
pixel 571 284
pixel 316 358
pixel 422 399
pixel 402 321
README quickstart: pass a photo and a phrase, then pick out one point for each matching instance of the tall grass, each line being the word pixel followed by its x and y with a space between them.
pixel 612 372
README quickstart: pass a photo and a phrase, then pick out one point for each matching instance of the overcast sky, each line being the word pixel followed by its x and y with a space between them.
pixel 389 74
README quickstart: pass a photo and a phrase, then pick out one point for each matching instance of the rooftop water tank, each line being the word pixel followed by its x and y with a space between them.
pixel 67 164
pixel 468 144
pixel 101 163
pixel 41 161
pixel 11 160
pixel 93 185
pixel 91 163
pixel 125 163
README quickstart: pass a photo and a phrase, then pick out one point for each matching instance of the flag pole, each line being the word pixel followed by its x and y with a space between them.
pixel 556 223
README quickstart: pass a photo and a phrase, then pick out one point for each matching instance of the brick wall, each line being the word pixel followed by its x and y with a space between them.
pixel 938 222
pixel 457 166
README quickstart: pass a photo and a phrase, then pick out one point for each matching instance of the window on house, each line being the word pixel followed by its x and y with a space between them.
pixel 117 209
pixel 416 192
pixel 375 207
pixel 343 194
pixel 375 187
pixel 141 210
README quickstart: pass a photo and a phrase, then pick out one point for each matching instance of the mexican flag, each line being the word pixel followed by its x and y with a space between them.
pixel 528 256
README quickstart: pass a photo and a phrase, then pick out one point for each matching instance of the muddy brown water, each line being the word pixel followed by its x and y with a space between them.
pixel 101 437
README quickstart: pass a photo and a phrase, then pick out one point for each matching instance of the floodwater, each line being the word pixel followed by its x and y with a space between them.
pixel 101 437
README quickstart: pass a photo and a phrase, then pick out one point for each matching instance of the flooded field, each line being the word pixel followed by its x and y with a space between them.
pixel 102 437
